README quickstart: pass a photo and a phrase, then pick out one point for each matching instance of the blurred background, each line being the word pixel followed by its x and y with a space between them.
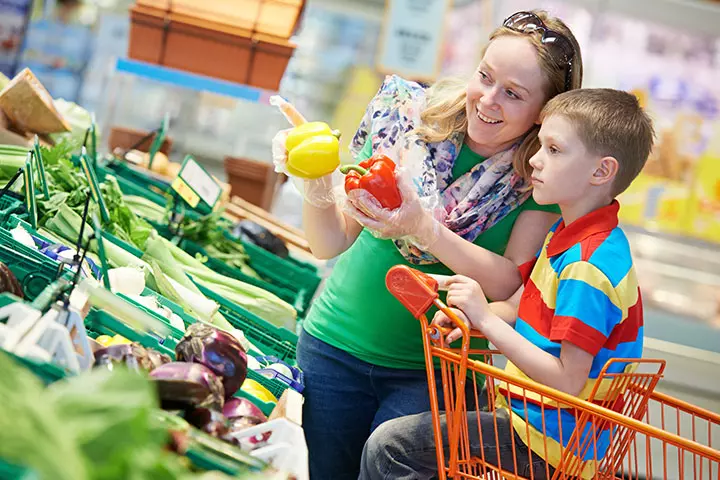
pixel 134 63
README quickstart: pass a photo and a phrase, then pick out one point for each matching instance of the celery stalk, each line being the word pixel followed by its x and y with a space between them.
pixel 205 308
pixel 198 269
pixel 155 249
pixel 254 299
pixel 267 310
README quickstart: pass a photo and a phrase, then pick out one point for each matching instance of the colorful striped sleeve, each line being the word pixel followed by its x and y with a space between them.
pixel 586 307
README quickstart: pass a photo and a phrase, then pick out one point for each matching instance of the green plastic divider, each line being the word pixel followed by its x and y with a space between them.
pixel 48 372
pixel 9 206
pixel 265 407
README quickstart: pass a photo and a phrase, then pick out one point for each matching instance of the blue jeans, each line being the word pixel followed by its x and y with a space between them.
pixel 404 448
pixel 346 399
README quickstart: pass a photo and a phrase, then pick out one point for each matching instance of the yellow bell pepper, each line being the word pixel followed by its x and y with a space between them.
pixel 258 391
pixel 119 340
pixel 313 150
pixel 104 340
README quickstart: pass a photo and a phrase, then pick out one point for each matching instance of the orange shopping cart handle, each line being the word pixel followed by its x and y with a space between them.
pixel 416 290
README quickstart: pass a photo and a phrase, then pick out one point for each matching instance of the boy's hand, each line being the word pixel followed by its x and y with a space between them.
pixel 443 320
pixel 467 300
pixel 467 295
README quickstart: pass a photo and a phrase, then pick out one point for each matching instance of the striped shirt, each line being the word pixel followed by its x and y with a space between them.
pixel 581 288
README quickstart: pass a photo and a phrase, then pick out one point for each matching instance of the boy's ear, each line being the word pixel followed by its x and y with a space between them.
pixel 605 172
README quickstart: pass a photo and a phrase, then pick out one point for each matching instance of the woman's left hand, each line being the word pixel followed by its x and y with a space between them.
pixel 410 220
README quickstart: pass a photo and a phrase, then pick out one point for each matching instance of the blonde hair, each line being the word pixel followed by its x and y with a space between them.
pixel 445 113
pixel 610 123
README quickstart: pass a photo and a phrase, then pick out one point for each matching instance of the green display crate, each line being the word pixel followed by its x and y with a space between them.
pixel 32 274
pixel 295 297
pixel 286 273
pixel 10 205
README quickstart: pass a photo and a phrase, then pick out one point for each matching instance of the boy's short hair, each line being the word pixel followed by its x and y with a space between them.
pixel 610 123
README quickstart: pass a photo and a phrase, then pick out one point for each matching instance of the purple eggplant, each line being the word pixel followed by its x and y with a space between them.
pixel 209 421
pixel 182 385
pixel 217 350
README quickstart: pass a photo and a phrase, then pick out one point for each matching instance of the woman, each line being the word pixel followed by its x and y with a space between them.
pixel 465 148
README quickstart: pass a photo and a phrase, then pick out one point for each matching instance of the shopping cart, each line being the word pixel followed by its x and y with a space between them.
pixel 624 430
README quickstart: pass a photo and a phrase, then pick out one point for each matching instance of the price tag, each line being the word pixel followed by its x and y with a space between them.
pixel 195 184
pixel 185 192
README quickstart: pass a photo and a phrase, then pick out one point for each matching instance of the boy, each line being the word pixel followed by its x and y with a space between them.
pixel 579 306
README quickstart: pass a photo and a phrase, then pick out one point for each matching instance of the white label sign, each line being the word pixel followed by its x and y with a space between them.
pixel 413 38
pixel 201 181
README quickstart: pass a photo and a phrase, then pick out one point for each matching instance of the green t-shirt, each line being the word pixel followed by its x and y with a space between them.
pixel 356 313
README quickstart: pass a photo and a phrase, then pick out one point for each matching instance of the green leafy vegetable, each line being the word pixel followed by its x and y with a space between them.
pixel 32 434
pixel 69 188
pixel 96 426
pixel 208 231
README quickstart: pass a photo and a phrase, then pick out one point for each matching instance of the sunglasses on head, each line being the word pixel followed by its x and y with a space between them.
pixel 559 44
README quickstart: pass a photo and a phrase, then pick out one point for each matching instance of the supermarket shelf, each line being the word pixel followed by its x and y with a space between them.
pixel 682 330
pixel 192 81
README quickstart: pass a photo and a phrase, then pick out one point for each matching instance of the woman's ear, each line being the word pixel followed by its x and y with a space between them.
pixel 606 171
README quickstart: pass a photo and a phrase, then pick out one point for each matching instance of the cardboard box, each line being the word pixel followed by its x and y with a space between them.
pixel 29 107
pixel 278 18
pixel 205 46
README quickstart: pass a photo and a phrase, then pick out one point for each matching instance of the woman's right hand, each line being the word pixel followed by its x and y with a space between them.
pixel 317 192
pixel 410 220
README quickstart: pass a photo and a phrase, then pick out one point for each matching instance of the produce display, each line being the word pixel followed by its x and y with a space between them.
pixel 136 343
pixel 104 424
pixel 61 215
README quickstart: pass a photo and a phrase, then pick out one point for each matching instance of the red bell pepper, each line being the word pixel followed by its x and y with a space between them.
pixel 376 175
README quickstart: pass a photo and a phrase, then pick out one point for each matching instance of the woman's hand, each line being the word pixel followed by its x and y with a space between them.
pixel 410 220
pixel 441 319
pixel 279 150
pixel 318 192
